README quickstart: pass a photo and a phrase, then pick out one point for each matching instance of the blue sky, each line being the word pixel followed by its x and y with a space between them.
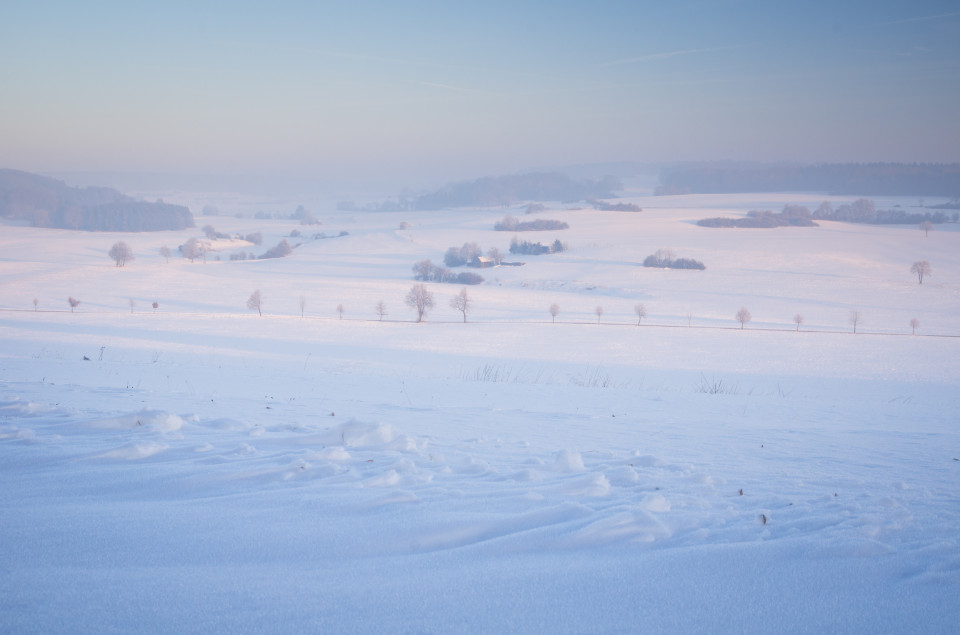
pixel 441 90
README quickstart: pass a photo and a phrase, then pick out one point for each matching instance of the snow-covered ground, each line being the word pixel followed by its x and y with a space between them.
pixel 197 467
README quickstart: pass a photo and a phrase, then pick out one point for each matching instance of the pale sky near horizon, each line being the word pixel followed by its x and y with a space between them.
pixel 465 89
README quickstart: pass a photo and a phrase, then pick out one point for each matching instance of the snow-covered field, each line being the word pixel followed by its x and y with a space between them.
pixel 197 467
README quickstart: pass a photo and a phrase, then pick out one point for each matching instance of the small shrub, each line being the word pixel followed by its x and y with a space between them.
pixel 468 277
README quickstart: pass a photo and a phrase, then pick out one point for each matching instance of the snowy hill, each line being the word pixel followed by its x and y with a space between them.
pixel 198 467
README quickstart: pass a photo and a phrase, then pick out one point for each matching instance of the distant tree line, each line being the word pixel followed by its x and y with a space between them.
pixel 879 179
pixel 469 254
pixel 860 211
pixel 604 206
pixel 664 258
pixel 506 190
pixel 402 204
pixel 863 211
pixel 511 224
pixel 45 202
pixel 790 216
pixel 518 246
pixel 426 271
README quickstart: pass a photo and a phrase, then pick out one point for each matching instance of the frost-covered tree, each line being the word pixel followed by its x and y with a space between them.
pixel 462 302
pixel 641 312
pixel 133 303
pixel 255 302
pixel 121 253
pixel 303 304
pixel 663 257
pixel 495 256
pixel 743 316
pixel 420 299
pixel 36 301
pixel 73 302
pixel 340 310
pixel 599 312
pixel 192 249
pixel 381 309
pixel 921 268
pixel 165 253
pixel 926 226
pixel 798 320
pixel 914 325
pixel 554 311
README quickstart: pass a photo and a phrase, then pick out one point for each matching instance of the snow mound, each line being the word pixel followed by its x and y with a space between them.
pixel 14 432
pixel 151 419
pixel 637 526
pixel 623 476
pixel 332 454
pixel 591 485
pixel 655 503
pixel 21 409
pixel 568 461
pixel 360 434
pixel 134 452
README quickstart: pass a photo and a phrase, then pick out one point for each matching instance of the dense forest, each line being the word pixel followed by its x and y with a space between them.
pixel 876 179
pixel 46 202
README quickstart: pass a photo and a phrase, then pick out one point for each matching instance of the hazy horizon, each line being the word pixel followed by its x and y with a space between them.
pixel 422 94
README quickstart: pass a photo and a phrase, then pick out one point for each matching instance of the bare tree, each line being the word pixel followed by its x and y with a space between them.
pixel 255 302
pixel 381 309
pixel 743 316
pixel 599 312
pixel 855 318
pixel 926 226
pixel 921 268
pixel 133 303
pixel 462 302
pixel 121 253
pixel 914 325
pixel 554 311
pixel 36 301
pixel 340 310
pixel 641 312
pixel 74 303
pixel 420 299
pixel 689 318
pixel 798 320
pixel 165 252
pixel 303 304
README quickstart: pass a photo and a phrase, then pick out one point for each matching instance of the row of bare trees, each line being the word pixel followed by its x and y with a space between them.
pixel 855 318
pixel 419 298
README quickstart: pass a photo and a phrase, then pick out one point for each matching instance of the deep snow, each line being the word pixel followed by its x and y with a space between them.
pixel 207 469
